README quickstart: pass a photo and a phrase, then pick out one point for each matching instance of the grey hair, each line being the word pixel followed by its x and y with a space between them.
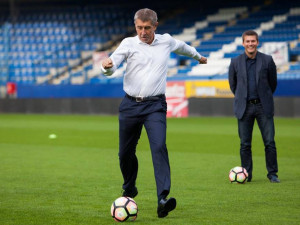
pixel 146 15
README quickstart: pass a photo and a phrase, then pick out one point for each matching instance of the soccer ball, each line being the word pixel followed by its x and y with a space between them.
pixel 238 175
pixel 124 208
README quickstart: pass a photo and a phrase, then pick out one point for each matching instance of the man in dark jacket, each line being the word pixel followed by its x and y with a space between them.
pixel 253 80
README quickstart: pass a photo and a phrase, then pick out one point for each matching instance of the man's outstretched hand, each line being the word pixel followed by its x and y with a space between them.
pixel 203 60
pixel 107 63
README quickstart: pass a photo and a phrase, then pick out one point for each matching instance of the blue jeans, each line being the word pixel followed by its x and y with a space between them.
pixel 267 129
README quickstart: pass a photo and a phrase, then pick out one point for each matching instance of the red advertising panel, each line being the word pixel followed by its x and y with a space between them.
pixel 176 99
pixel 11 88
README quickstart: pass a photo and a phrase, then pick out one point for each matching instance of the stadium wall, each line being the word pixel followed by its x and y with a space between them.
pixel 105 98
pixel 285 88
pixel 284 106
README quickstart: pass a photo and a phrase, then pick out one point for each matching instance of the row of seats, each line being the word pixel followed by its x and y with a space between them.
pixel 295 50
pixel 216 35
pixel 216 47
pixel 46 40
pixel 43 45
pixel 293 72
pixel 69 28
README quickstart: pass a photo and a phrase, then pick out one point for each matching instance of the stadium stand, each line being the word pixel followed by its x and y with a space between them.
pixel 273 24
pixel 55 45
pixel 46 44
pixel 218 36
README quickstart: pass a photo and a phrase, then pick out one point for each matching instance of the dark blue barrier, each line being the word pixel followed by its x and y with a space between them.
pixel 285 88
pixel 114 90
pixel 288 88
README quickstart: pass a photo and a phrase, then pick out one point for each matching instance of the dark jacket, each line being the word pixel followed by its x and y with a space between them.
pixel 266 81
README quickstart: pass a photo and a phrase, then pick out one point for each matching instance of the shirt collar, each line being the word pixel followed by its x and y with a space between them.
pixel 155 40
pixel 247 57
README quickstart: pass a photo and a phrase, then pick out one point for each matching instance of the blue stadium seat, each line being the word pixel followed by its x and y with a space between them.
pixel 42 39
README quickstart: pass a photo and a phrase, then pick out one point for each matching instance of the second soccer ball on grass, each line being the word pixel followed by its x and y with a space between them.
pixel 238 175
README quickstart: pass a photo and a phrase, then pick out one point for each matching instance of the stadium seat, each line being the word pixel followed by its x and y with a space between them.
pixel 44 39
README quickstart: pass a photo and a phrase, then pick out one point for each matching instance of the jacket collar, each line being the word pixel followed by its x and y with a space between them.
pixel 258 65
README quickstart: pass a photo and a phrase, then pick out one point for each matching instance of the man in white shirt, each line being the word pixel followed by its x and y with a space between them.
pixel 145 104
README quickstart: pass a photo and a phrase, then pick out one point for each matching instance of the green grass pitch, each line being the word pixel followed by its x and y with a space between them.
pixel 74 178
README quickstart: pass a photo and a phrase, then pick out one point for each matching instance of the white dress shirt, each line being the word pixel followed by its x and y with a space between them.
pixel 147 65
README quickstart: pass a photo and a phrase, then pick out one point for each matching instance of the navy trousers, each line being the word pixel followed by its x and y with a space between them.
pixel 267 129
pixel 132 117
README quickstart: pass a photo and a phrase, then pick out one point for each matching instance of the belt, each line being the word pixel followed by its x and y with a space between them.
pixel 143 99
pixel 254 101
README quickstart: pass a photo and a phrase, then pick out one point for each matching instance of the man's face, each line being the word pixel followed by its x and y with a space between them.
pixel 250 44
pixel 145 30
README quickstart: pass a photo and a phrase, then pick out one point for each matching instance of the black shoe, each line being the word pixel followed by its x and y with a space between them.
pixel 165 206
pixel 249 178
pixel 274 179
pixel 131 194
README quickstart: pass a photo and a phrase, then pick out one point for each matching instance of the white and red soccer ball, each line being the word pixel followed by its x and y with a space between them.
pixel 238 175
pixel 124 208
